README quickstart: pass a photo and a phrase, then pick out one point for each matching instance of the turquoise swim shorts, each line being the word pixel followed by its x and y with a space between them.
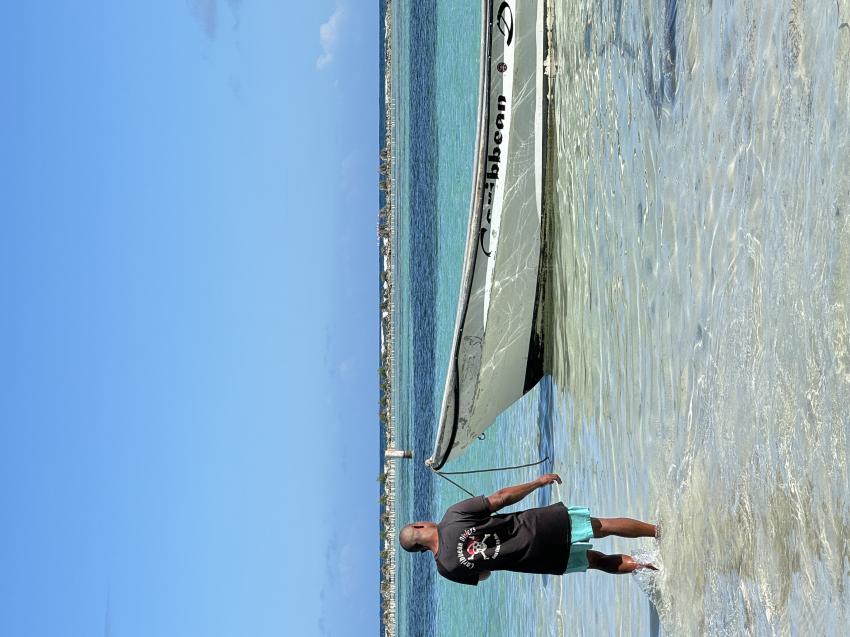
pixel 580 533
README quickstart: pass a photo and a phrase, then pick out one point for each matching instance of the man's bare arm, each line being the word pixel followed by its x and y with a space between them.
pixel 511 495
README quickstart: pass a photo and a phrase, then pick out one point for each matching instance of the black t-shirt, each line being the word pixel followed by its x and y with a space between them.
pixel 474 540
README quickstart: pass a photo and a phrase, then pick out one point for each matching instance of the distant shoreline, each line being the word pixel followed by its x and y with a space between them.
pixel 387 234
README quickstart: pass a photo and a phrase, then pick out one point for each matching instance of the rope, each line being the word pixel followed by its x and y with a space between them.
pixel 519 466
pixel 444 474
pixel 471 495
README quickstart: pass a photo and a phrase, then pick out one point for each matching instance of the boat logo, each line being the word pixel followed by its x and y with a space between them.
pixel 505 22
pixel 501 67
pixel 481 242
pixel 492 176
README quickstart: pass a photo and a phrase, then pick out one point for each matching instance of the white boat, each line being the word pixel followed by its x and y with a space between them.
pixel 497 348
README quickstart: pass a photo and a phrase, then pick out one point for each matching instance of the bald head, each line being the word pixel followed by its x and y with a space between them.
pixel 416 537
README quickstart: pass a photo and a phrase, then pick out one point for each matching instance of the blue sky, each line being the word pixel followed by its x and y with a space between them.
pixel 188 340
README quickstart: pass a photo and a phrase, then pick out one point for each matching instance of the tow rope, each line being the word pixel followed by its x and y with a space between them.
pixel 444 474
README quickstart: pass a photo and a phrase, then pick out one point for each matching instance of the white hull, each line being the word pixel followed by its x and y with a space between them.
pixel 492 353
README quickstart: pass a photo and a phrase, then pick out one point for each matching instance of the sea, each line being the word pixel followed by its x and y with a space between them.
pixel 699 287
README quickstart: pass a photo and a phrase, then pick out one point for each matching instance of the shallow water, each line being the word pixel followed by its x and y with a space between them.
pixel 700 281
pixel 701 263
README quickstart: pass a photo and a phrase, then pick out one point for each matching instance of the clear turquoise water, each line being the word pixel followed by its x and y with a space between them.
pixel 701 336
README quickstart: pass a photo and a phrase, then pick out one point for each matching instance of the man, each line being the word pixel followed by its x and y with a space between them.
pixel 471 541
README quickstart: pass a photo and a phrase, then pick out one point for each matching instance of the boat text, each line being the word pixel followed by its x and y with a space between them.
pixel 491 177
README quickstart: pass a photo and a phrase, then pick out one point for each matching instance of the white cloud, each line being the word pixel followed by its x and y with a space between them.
pixel 328 38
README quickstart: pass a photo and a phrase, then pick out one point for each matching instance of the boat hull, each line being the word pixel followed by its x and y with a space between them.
pixel 496 353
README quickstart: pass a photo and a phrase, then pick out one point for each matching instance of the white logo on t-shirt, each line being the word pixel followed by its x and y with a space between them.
pixel 472 547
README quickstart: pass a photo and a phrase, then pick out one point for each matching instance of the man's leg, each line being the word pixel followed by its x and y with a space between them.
pixel 614 564
pixel 624 527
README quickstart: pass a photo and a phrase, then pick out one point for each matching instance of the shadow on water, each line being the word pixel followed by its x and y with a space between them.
pixel 422 177
pixel 616 40
pixel 669 53
pixel 658 61
pixel 659 76
pixel 664 88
